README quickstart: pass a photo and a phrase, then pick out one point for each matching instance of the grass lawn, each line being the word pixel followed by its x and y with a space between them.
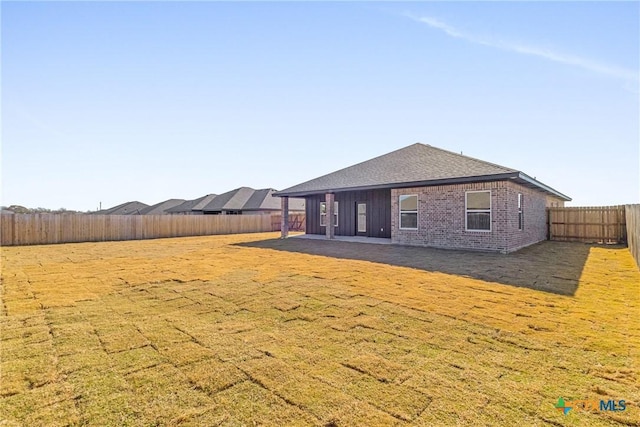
pixel 252 330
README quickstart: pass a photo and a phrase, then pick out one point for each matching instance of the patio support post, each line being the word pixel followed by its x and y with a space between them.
pixel 284 218
pixel 329 198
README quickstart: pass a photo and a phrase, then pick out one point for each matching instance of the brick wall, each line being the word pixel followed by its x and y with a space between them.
pixel 441 217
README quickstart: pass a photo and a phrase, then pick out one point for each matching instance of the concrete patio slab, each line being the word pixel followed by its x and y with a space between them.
pixel 352 239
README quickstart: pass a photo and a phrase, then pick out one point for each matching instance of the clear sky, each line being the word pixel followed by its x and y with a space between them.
pixel 117 101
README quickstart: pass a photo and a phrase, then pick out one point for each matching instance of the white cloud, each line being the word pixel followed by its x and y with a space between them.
pixel 584 63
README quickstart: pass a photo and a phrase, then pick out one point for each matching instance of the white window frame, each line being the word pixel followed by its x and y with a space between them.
pixel 400 212
pixel 324 215
pixel 466 211
pixel 520 211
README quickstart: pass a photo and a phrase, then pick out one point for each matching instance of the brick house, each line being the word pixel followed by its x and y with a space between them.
pixel 425 196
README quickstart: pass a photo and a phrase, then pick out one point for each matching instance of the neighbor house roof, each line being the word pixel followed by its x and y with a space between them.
pixel 161 208
pixel 127 208
pixel 231 200
pixel 192 205
pixel 264 200
pixel 248 199
pixel 415 165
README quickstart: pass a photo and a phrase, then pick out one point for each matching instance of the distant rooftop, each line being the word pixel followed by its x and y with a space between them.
pixel 161 208
pixel 192 205
pixel 127 208
pixel 248 199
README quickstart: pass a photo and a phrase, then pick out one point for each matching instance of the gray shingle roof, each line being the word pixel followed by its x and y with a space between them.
pixel 191 205
pixel 127 208
pixel 160 208
pixel 416 164
pixel 248 199
pixel 259 200
pixel 231 200
pixel 204 202
pixel 264 200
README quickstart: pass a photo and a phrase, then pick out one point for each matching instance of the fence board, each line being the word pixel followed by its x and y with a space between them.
pixel 37 229
pixel 632 213
pixel 593 224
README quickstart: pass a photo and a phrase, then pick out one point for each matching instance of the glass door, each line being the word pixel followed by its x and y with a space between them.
pixel 361 220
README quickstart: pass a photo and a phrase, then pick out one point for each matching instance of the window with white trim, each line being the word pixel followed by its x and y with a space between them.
pixel 323 214
pixel 520 212
pixel 408 212
pixel 478 210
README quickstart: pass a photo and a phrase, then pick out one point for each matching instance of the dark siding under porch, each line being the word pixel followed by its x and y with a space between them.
pixel 378 213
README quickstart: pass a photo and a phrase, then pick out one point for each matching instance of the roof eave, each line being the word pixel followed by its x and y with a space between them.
pixel 446 181
pixel 534 182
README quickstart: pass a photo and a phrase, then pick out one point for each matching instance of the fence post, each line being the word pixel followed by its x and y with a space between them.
pixel 13 229
pixel 632 217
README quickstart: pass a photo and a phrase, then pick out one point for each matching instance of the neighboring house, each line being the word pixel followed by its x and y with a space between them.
pixel 192 207
pixel 128 208
pixel 247 201
pixel 426 196
pixel 161 208
pixel 263 201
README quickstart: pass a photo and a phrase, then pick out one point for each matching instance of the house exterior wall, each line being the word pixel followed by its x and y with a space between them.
pixel 441 217
pixel 534 216
pixel 378 213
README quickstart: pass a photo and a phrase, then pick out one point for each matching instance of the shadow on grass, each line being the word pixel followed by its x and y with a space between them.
pixel 547 266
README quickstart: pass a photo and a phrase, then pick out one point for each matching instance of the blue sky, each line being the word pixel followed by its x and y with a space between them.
pixel 116 101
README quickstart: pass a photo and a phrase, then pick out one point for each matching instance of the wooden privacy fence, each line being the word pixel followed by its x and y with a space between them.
pixel 599 224
pixel 632 215
pixel 38 229
pixel 297 222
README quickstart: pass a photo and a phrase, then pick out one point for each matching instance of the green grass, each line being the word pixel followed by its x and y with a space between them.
pixel 242 330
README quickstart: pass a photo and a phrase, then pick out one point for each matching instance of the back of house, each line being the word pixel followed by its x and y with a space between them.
pixel 426 196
